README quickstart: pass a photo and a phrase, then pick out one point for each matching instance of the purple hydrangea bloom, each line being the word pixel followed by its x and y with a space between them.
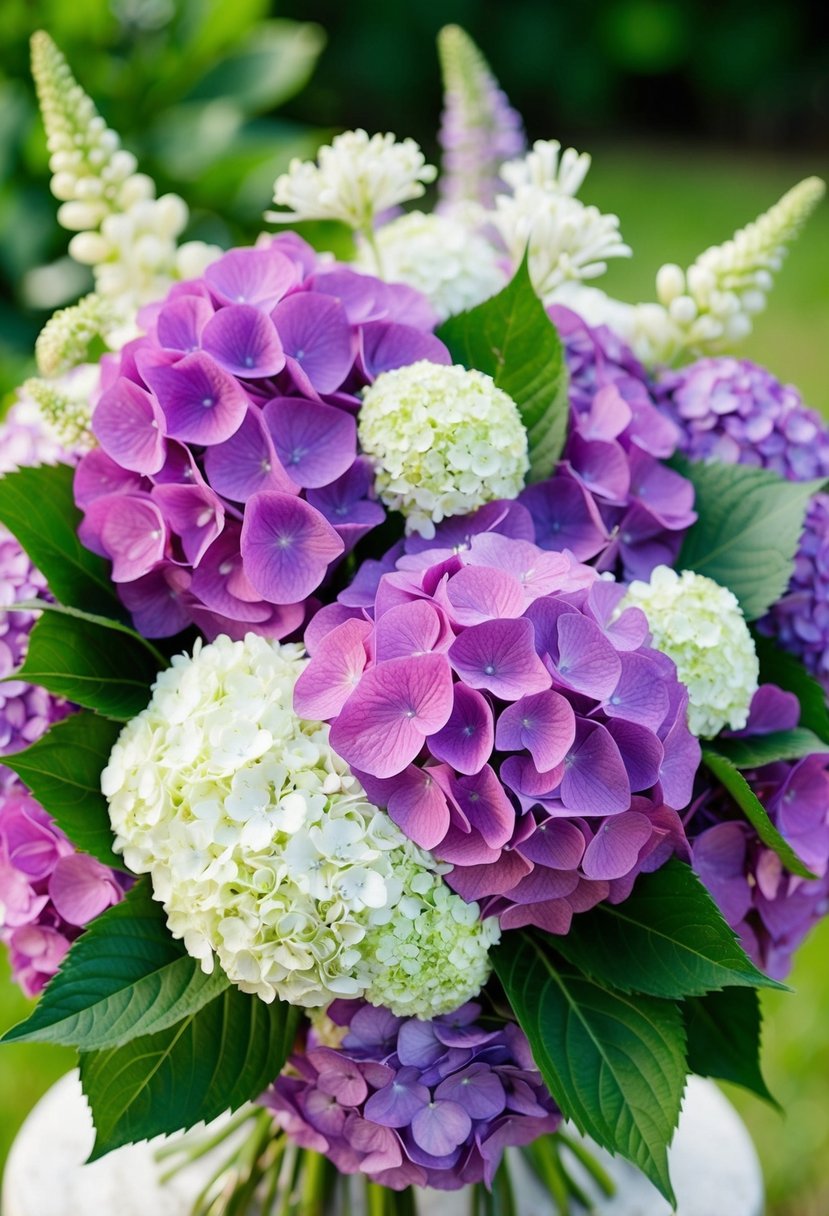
pixel 490 697
pixel 771 909
pixel 611 500
pixel 228 483
pixel 48 891
pixel 412 1103
pixel 733 411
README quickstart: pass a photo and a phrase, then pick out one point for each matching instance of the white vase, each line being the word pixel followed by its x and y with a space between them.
pixel 714 1167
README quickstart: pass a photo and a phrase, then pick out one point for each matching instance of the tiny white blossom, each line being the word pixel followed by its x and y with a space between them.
pixel 547 167
pixel 356 177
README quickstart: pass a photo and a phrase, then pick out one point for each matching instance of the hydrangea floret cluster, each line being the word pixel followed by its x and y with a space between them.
pixel 699 625
pixel 127 235
pixel 228 480
pixel 48 890
pixel 733 411
pixel 409 1103
pixel 265 851
pixel 479 129
pixel 443 440
pixel 771 909
pixel 489 695
pixel 611 500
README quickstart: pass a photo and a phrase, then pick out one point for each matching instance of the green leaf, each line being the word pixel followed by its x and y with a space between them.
pixel 124 977
pixel 615 1064
pixel 215 1059
pixel 38 508
pixel 754 811
pixel 89 664
pixel 273 65
pixel 749 525
pixel 511 338
pixel 758 750
pixel 779 667
pixel 724 1036
pixel 63 771
pixel 668 939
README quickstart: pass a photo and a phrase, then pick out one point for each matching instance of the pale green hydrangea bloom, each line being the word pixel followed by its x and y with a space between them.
pixel 262 845
pixel 699 625
pixel 444 441
pixel 439 255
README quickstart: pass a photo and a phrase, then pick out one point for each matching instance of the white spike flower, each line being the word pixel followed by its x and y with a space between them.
pixel 124 233
pixel 266 853
pixel 547 167
pixel 356 177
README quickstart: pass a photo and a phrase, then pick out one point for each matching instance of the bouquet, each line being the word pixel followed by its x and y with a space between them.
pixel 414 730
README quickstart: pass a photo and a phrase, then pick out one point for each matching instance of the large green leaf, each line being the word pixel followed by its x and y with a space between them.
pixel 274 64
pixel 215 1059
pixel 511 338
pixel 757 750
pixel 90 664
pixel 38 508
pixel 124 977
pixel 749 525
pixel 724 1037
pixel 668 939
pixel 63 771
pixel 754 811
pixel 615 1064
pixel 779 667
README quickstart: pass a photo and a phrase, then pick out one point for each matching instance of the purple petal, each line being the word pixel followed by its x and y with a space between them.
pixel 682 759
pixel 614 850
pixel 479 594
pixel 556 843
pixel 396 1104
pixel 194 513
pixel 608 416
pixel 641 695
pixel 131 531
pixel 417 1044
pixel 476 882
pixel 440 1127
pixel 81 888
pixel 528 784
pixel 130 427
pixel 415 802
pixel 221 584
pixel 771 708
pixel 157 601
pixel 603 467
pixel 629 630
pixel 339 1077
pixel 201 402
pixel 386 346
pixel 465 742
pixel 316 443
pixel 500 656
pixel 316 338
pixel 482 800
pixel 246 463
pixel 181 321
pixel 543 723
pixel 539 572
pixel 286 546
pixel 641 751
pixel 334 672
pixel 477 1089
pixel 383 725
pixel 363 297
pixel 244 342
pixel 252 276
pixel 411 629
pixel 347 504
pixel 503 517
pixel 565 517
pixel 97 475
pixel 586 662
pixel 595 780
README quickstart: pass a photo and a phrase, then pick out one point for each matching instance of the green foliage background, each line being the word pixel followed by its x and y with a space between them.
pixel 194 88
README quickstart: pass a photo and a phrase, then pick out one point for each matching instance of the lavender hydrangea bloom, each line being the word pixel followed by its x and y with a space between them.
pixel 771 909
pixel 733 411
pixel 412 1103
pixel 488 695
pixel 48 891
pixel 611 500
pixel 227 482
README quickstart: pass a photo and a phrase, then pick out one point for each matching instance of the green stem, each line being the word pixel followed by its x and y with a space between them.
pixel 544 1159
pixel 312 1193
pixel 287 1179
pixel 376 1199
pixel 596 1171
pixel 370 237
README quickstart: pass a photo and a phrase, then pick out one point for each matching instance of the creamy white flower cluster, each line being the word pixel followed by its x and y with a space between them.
pixel 65 339
pixel 453 265
pixel 126 234
pixel 265 851
pixel 356 177
pixel 699 625
pixel 65 405
pixel 444 441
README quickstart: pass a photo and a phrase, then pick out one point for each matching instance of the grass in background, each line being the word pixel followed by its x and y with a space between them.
pixel 672 204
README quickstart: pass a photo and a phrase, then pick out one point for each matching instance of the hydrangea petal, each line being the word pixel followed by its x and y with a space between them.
pixel 202 403
pixel 614 850
pixel 586 661
pixel 130 427
pixel 286 546
pixel 640 696
pixel 500 657
pixel 465 742
pixel 181 321
pixel 157 602
pixel 316 443
pixel 194 513
pixel 415 801
pixel 316 338
pixel 411 629
pixel 246 463
pixel 482 799
pixel 479 595
pixel 595 780
pixel 387 345
pixel 251 276
pixel 334 671
pixel 81 888
pixel 543 723
pixel 244 342
pixel 440 1127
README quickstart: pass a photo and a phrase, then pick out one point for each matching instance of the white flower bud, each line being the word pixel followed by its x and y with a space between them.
pixel 78 216
pixel 89 248
pixel 670 283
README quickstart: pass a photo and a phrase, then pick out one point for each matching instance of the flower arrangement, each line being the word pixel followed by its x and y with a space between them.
pixel 418 664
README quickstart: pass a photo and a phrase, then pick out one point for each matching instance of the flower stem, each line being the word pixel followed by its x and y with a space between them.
pixel 596 1171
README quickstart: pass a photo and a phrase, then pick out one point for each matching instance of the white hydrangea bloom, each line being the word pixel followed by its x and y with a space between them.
pixel 356 177
pixel 549 168
pixel 444 441
pixel 439 255
pixel 127 236
pixel 565 240
pixel 699 625
pixel 261 844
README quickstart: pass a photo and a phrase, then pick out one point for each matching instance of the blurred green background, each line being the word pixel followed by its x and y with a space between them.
pixel 698 117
